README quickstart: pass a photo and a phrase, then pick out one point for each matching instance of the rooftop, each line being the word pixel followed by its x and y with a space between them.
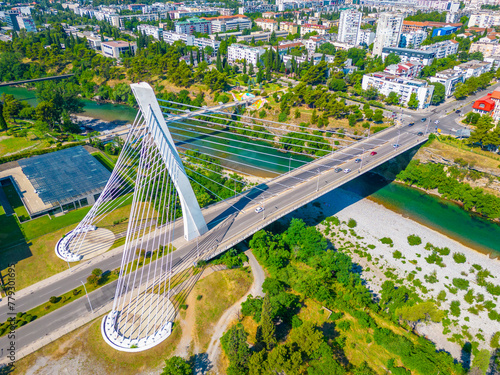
pixel 118 43
pixel 63 175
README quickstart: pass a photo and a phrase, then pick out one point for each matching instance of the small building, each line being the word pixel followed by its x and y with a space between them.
pixel 407 69
pixel 267 24
pixel 484 105
pixel 117 49
pixel 406 54
pixel 192 25
pixel 446 30
pixel 449 78
pixel 239 52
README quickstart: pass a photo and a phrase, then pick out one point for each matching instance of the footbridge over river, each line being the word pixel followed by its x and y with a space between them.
pixel 161 176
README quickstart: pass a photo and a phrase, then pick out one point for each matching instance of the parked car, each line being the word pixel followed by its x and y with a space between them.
pixel 373 153
pixel 337 170
pixel 347 170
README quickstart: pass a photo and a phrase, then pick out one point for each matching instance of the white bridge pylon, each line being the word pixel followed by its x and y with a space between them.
pixel 150 177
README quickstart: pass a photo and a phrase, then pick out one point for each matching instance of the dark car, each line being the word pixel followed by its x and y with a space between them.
pixel 358 160
pixel 423 120
pixel 420 134
pixel 411 124
pixel 337 170
pixel 458 111
pixel 395 145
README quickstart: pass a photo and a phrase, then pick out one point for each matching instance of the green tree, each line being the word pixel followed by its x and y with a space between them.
pixel 439 93
pixel 177 366
pixel 461 91
pixel 267 325
pixel 413 102
pixel 392 58
pixel 378 115
pixel 234 343
pixel 3 123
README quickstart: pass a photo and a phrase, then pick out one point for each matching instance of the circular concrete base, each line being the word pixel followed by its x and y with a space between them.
pixel 84 244
pixel 138 326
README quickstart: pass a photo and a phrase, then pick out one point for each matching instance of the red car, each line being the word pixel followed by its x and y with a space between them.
pixel 373 153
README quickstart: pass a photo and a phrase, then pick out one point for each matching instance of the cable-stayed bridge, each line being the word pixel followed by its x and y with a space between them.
pixel 164 181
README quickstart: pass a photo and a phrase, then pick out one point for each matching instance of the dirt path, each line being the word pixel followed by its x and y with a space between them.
pixel 229 316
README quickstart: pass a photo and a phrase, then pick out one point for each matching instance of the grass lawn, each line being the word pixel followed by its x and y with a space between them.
pixel 86 342
pixel 219 291
pixel 11 144
pixel 10 234
pixel 16 202
pixel 43 225
pixel 108 164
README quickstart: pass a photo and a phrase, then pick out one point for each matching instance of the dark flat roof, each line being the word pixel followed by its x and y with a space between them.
pixel 61 176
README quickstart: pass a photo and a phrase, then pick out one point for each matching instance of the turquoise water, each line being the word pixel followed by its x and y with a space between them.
pixel 434 212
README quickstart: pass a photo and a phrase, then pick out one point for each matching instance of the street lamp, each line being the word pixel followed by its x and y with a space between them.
pixel 362 156
pixel 427 127
pixel 317 185
pixel 399 133
pixel 87 296
pixel 289 163
pixel 263 210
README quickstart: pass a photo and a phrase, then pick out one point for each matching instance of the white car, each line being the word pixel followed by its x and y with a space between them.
pixel 259 209
pixel 436 122
pixel 347 170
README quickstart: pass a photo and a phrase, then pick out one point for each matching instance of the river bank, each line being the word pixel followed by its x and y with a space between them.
pixel 374 222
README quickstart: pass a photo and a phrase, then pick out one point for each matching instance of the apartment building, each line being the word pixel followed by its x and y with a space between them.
pixel 308 28
pixel 349 26
pixel 267 24
pixel 407 70
pixel 116 49
pixel 261 36
pixel 449 78
pixel 226 23
pixel 240 52
pixel 484 19
pixel 487 49
pixel 442 49
pixel 407 54
pixel 365 37
pixel 192 25
pixel 386 83
pixel 171 37
pixel 150 30
pixel 473 68
pixel 291 27
pixel 409 26
pixel 314 42
pixel 388 32
pixel 412 39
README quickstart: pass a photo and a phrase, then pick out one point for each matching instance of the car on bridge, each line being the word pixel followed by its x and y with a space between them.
pixel 358 160
pixel 458 111
pixel 259 209
pixel 423 119
pixel 347 170
pixel 411 124
pixel 395 145
pixel 337 170
pixel 420 134
pixel 373 153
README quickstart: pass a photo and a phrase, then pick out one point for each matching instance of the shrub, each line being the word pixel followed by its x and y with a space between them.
pixel 199 297
pixel 459 258
pixel 493 289
pixel 352 223
pixel 397 254
pixel 469 297
pixel 387 241
pixel 76 292
pixel 441 296
pixel 414 240
pixel 53 299
pixel 455 308
pixel 495 341
pixel 344 325
pixel 461 284
pixel 296 322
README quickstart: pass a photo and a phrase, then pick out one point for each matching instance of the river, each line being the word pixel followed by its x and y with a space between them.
pixel 434 212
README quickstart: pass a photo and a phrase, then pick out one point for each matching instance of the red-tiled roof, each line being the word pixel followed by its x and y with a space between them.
pixel 484 104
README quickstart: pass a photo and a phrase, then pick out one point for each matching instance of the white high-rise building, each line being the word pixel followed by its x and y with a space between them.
pixel 388 32
pixel 349 25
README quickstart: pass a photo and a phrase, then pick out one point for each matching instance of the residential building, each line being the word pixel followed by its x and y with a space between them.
pixel 407 54
pixel 409 26
pixel 316 58
pixel 349 26
pixel 314 42
pixel 487 49
pixel 484 105
pixel 308 28
pixel 27 23
pixel 412 39
pixel 442 49
pixel 473 68
pixel 239 52
pixel 388 32
pixel 258 36
pixel 287 60
pixel 484 19
pixel 407 70
pixel 267 24
pixel 192 25
pixel 150 30
pixel 445 30
pixel 285 48
pixel 449 78
pixel 386 83
pixel 365 38
pixel 226 23
pixel 291 27
pixel 171 37
pixel 116 49
pixel 495 96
